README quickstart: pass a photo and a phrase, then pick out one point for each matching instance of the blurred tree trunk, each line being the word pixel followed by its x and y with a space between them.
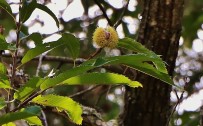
pixel 160 30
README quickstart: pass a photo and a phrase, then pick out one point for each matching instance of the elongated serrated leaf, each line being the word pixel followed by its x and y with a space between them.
pixel 27 9
pixel 47 10
pixel 4 81
pixel 73 108
pixel 140 62
pixel 25 113
pixel 34 121
pixel 5 6
pixel 9 124
pixel 2 103
pixel 101 78
pixel 131 44
pixel 72 44
pixel 32 53
pixel 50 82
pixel 31 86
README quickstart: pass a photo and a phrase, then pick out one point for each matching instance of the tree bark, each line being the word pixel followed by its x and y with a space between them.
pixel 159 31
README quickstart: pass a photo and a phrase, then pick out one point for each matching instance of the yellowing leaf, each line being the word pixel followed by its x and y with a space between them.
pixel 73 109
pixel 25 113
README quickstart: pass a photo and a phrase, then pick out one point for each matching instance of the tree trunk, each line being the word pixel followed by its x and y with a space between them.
pixel 159 31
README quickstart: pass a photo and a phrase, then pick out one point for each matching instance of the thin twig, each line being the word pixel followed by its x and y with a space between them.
pixel 44 118
pixel 22 104
pixel 179 100
pixel 39 65
pixel 84 91
pixel 122 14
pixel 104 12
pixel 104 92
pixel 14 63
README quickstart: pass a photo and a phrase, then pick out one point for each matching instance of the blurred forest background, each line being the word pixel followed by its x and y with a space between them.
pixel 81 17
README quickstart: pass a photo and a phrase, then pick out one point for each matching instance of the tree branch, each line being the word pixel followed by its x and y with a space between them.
pixel 122 14
pixel 51 58
pixel 84 91
pixel 94 54
pixel 104 12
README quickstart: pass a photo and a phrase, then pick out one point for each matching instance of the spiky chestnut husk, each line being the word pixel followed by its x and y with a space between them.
pixel 105 37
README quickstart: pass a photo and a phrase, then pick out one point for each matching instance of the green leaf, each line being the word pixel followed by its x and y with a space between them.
pixel 131 44
pixel 27 9
pixel 72 44
pixel 9 124
pixel 101 78
pixel 3 44
pixel 31 86
pixel 3 69
pixel 140 62
pixel 6 7
pixel 47 10
pixel 34 121
pixel 4 82
pixel 25 113
pixel 73 109
pixel 50 82
pixel 32 53
pixel 2 103
pixel 36 37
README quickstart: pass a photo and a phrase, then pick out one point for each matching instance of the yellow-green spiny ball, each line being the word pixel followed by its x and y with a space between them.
pixel 105 37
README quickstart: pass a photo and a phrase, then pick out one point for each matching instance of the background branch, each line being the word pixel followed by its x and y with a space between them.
pixel 122 14
pixel 104 12
pixel 51 58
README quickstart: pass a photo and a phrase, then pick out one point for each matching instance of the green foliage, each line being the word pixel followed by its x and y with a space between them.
pixel 87 72
pixel 50 82
pixel 40 49
pixel 141 62
pixel 9 124
pixel 31 86
pixel 4 81
pixel 72 44
pixel 3 69
pixel 28 8
pixel 6 7
pixel 36 37
pixel 2 103
pixel 3 44
pixel 34 120
pixel 101 78
pixel 73 109
pixel 131 44
pixel 23 114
